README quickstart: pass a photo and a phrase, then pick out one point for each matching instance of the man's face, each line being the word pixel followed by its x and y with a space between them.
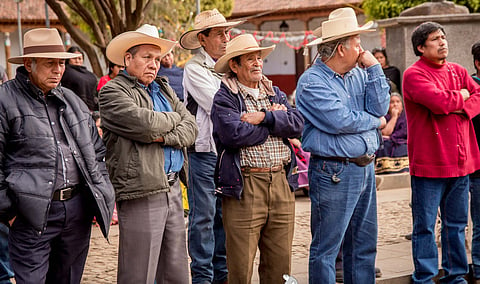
pixel 435 48
pixel 249 71
pixel 77 60
pixel 352 49
pixel 167 60
pixel 144 64
pixel 216 42
pixel 45 73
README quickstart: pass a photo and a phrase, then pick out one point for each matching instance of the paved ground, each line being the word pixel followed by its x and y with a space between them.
pixel 394 219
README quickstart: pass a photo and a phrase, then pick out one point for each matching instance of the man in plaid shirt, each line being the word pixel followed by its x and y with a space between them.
pixel 252 122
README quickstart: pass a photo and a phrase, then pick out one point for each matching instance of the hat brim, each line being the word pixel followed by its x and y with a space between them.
pixel 119 45
pixel 189 40
pixel 363 29
pixel 56 55
pixel 222 64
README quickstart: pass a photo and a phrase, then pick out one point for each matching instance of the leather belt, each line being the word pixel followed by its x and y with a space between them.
pixel 361 161
pixel 262 170
pixel 172 178
pixel 65 193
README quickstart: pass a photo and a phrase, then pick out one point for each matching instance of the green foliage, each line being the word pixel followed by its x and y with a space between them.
pixel 383 9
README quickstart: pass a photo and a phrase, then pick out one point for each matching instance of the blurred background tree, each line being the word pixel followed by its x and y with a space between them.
pixel 383 9
pixel 93 23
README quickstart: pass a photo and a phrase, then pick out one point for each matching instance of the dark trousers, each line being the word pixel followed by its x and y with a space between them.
pixel 58 254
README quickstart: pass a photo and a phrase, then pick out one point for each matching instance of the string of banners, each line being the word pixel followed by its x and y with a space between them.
pixel 294 40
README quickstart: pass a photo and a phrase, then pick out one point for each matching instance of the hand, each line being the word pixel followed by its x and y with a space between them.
pixel 254 118
pixel 383 122
pixel 366 59
pixel 295 142
pixel 161 140
pixel 395 112
pixel 465 94
pixel 12 220
pixel 277 107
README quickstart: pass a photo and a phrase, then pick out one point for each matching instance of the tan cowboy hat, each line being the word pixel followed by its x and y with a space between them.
pixel 240 45
pixel 341 22
pixel 42 43
pixel 146 34
pixel 205 20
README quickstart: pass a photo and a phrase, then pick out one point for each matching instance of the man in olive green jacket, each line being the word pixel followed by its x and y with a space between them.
pixel 146 129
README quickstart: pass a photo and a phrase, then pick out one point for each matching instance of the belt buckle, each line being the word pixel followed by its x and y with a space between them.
pixel 65 193
pixel 365 160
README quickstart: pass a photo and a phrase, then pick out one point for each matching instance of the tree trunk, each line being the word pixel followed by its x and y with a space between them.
pixel 78 37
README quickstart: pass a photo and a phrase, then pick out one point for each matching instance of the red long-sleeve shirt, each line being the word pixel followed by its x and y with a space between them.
pixel 441 143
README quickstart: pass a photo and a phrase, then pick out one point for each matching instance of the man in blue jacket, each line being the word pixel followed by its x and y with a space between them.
pixel 252 122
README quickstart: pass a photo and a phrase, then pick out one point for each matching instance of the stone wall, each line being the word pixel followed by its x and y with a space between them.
pixel 461 30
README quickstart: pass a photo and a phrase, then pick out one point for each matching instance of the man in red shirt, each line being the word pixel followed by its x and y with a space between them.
pixel 440 101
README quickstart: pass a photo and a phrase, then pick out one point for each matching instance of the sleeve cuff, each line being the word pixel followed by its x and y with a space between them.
pixel 375 71
pixel 268 120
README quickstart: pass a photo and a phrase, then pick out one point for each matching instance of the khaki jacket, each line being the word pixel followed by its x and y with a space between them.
pixel 130 125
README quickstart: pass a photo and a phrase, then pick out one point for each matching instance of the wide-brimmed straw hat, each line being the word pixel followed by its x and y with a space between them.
pixel 240 45
pixel 42 43
pixel 204 20
pixel 146 34
pixel 341 22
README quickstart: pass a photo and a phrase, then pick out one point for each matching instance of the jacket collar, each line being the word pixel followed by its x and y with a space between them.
pixel 34 91
pixel 231 83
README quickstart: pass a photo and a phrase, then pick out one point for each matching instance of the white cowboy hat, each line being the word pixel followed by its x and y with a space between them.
pixel 146 34
pixel 341 22
pixel 240 45
pixel 205 20
pixel 42 43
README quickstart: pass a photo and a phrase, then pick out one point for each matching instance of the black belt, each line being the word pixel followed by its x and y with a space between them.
pixel 65 193
pixel 172 178
pixel 361 161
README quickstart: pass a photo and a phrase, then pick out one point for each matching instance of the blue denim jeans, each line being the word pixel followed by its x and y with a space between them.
pixel 5 269
pixel 475 213
pixel 206 237
pixel 451 195
pixel 344 207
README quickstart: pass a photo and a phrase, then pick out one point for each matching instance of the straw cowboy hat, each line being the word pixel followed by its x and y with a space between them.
pixel 42 43
pixel 204 20
pixel 146 34
pixel 341 22
pixel 240 45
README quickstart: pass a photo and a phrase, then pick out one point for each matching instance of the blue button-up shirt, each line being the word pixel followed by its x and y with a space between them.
pixel 173 157
pixel 342 113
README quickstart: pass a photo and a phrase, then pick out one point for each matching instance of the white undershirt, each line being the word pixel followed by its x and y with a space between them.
pixel 255 92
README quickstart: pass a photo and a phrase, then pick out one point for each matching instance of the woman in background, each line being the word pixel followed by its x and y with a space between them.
pixel 113 70
pixel 392 157
pixel 391 72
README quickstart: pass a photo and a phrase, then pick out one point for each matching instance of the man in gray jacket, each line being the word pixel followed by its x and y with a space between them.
pixel 53 178
pixel 146 128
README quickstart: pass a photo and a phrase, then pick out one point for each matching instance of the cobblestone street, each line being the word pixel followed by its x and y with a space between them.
pixel 394 222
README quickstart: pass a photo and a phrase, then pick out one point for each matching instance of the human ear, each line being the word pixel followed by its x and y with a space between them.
pixel 233 66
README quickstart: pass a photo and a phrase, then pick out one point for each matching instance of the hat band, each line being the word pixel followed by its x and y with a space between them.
pixel 43 49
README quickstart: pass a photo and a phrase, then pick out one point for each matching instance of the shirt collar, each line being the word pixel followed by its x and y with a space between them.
pixel 330 73
pixel 208 59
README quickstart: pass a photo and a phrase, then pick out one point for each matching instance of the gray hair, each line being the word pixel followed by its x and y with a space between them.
pixel 327 50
